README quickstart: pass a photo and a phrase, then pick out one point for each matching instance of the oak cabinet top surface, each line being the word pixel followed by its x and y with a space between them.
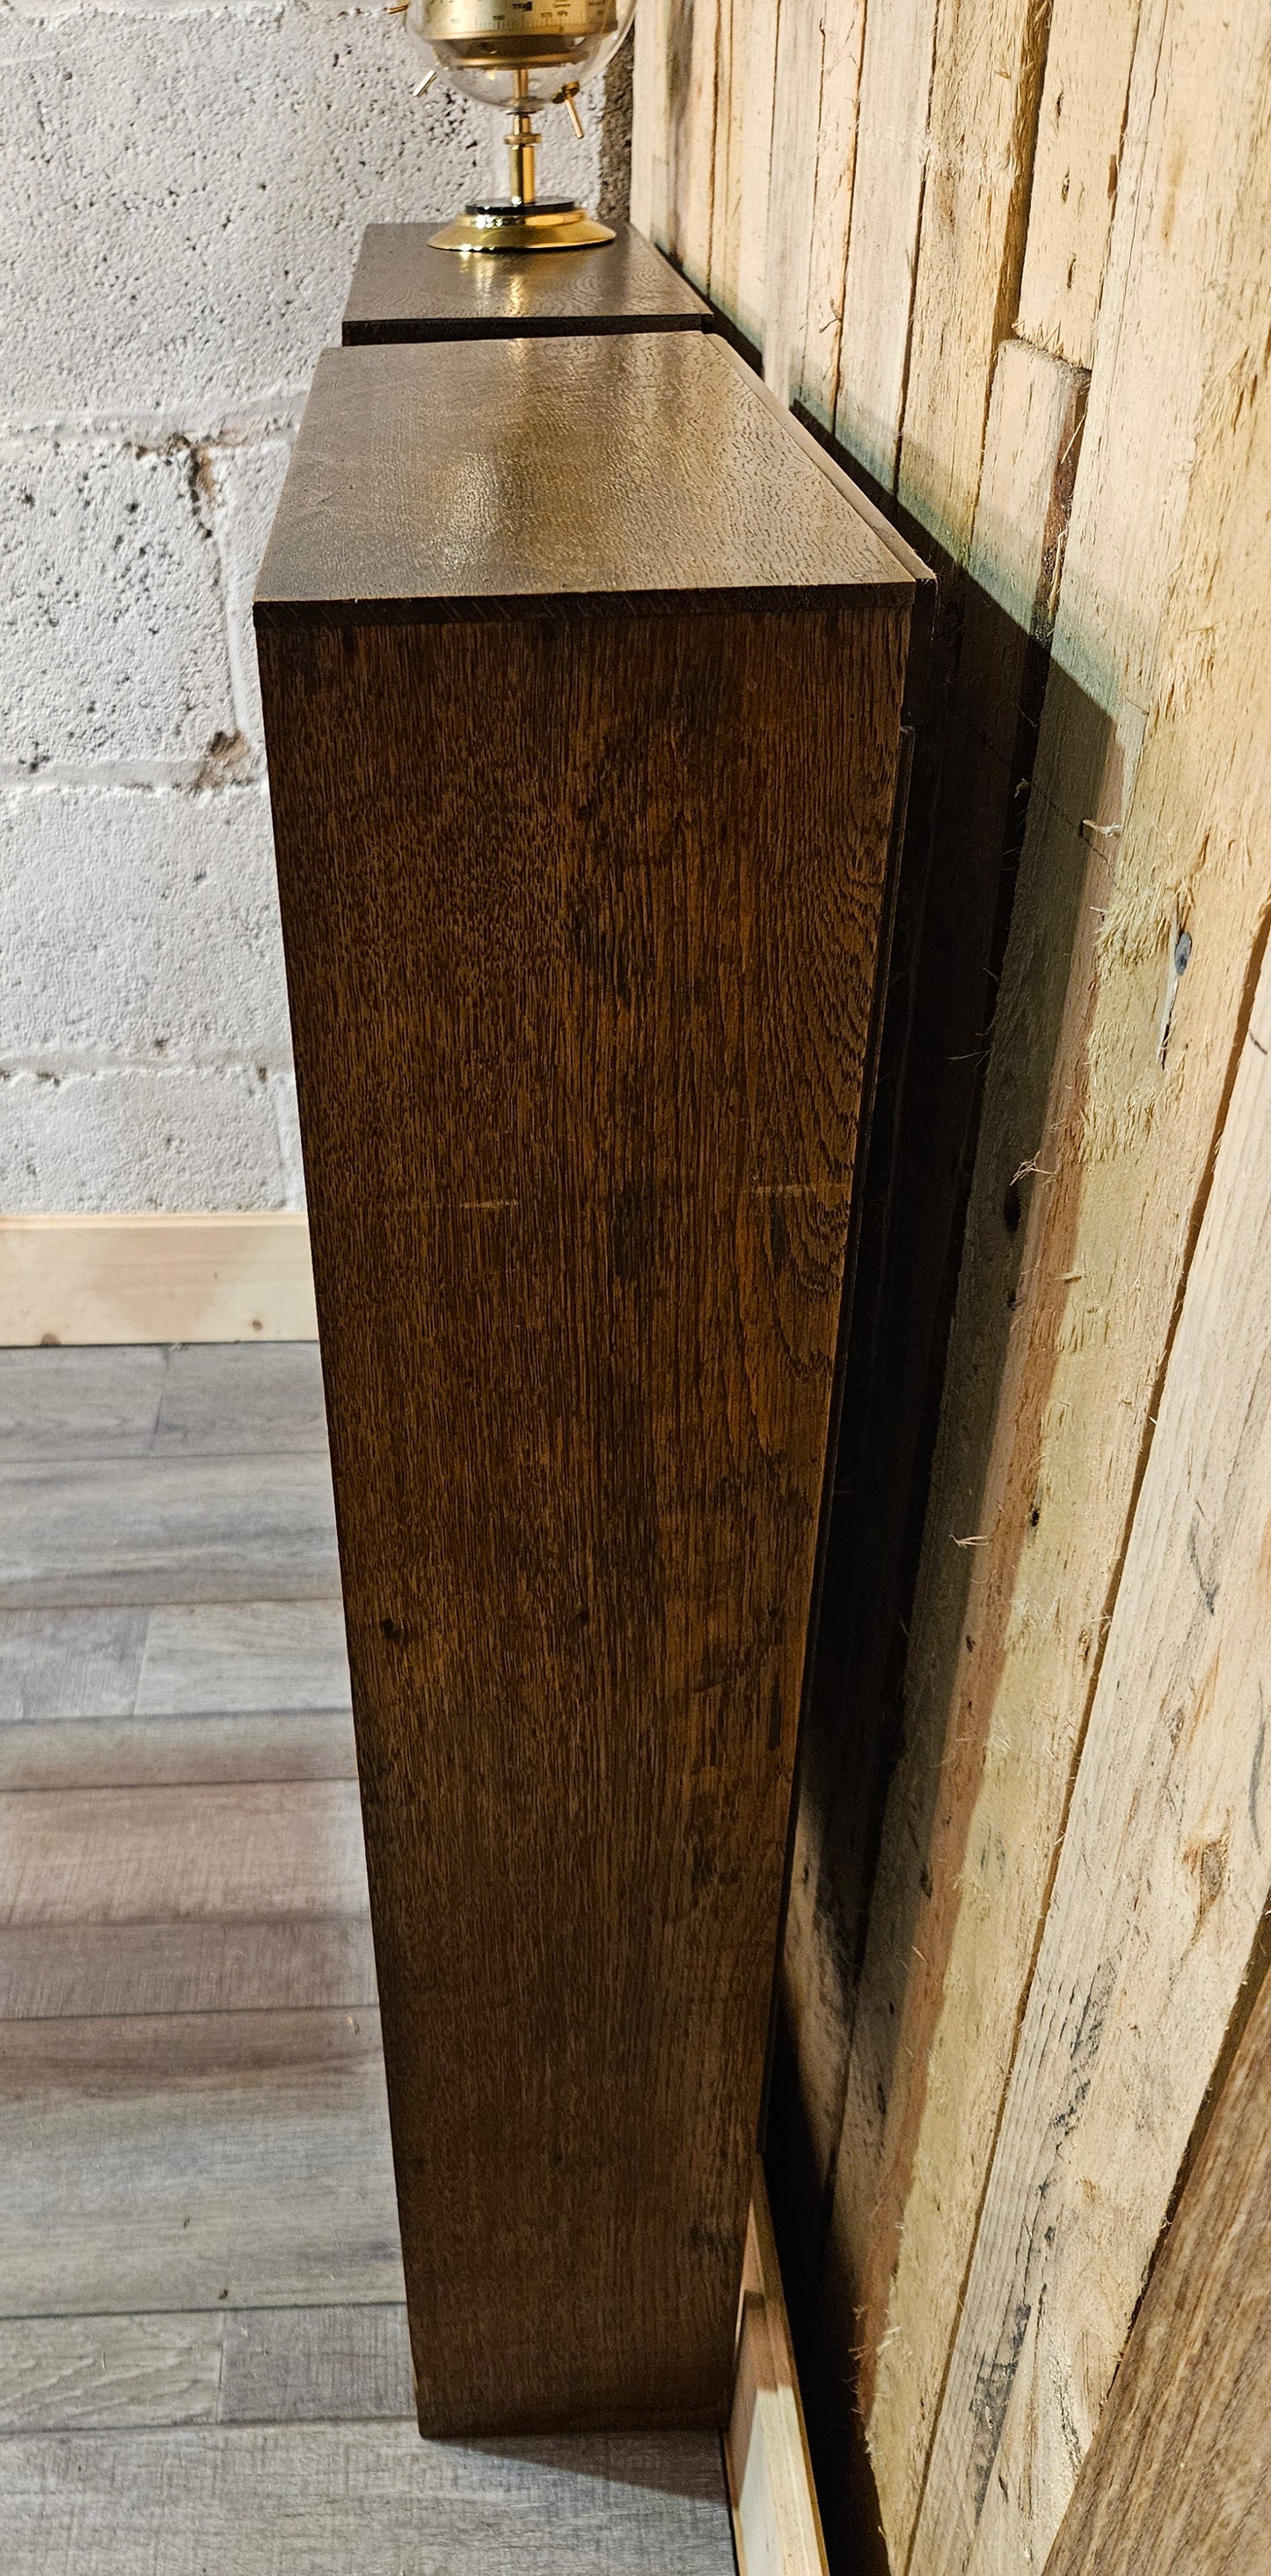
pixel 403 289
pixel 612 474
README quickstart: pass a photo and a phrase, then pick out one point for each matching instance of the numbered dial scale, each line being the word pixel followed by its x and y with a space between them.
pixel 522 55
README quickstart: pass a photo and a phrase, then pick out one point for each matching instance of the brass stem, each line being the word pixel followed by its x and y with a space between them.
pixel 521 142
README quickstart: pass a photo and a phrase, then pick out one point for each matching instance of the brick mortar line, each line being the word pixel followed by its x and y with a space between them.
pixel 129 778
pixel 57 1067
pixel 162 434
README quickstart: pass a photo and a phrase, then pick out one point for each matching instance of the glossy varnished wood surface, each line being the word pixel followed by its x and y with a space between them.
pixel 403 289
pixel 581 476
pixel 582 923
pixel 203 2350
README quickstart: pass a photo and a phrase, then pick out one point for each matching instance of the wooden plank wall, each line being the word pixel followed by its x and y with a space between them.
pixel 1013 258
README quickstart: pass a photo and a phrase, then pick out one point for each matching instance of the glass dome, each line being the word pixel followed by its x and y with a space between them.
pixel 507 52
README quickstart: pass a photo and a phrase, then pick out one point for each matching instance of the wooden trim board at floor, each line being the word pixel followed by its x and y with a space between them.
pixel 236 1277
pixel 776 2524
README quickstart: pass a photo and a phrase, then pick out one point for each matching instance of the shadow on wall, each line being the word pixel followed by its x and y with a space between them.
pixel 975 748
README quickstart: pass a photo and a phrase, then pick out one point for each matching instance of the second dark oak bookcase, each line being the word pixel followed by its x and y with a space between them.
pixel 404 289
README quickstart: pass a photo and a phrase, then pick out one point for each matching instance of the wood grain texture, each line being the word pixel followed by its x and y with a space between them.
pixel 246 1964
pixel 61 2374
pixel 197 1400
pixel 691 88
pixel 1007 605
pixel 1172 261
pixel 207 2366
pixel 315 2365
pixel 403 289
pixel 142 2152
pixel 1159 1889
pixel 1102 1110
pixel 241 1277
pixel 986 82
pixel 887 199
pixel 82 1403
pixel 296 2497
pixel 234 2159
pixel 842 47
pixel 70 1663
pixel 650 121
pixel 213 1658
pixel 1175 2482
pixel 158 1753
pixel 1076 171
pixel 640 909
pixel 1016 558
pixel 176 1854
pixel 238 1399
pixel 178 1660
pixel 775 2518
pixel 1112 227
pixel 106 1531
pixel 745 79
pixel 791 194
pixel 715 508
pixel 813 163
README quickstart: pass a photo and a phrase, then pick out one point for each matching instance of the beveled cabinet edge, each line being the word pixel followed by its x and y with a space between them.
pixel 564 607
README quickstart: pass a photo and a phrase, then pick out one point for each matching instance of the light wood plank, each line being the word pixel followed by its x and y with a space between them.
pixel 279 2500
pixel 791 193
pixel 743 160
pixel 167 1529
pixel 812 120
pixel 817 384
pixel 156 1752
pixel 1161 1881
pixel 72 1663
pixel 775 2519
pixel 316 2365
pixel 195 2161
pixel 80 1403
pixel 891 149
pixel 278 1964
pixel 1031 452
pixel 650 122
pixel 1108 1079
pixel 691 137
pixel 221 1657
pixel 1076 167
pixel 1176 2481
pixel 237 1278
pixel 730 76
pixel 989 59
pixel 63 2374
pixel 1191 124
pixel 175 1855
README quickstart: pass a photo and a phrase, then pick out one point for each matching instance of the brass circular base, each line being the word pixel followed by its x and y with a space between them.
pixel 535 227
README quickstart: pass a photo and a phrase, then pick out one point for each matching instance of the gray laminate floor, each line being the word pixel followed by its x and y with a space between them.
pixel 203 2357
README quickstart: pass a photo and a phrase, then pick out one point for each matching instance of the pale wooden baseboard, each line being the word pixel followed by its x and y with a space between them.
pixel 235 1278
pixel 775 2520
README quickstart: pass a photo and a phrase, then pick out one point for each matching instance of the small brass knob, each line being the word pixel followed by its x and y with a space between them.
pixel 565 98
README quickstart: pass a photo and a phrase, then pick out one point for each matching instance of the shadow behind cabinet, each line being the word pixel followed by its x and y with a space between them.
pixel 582 679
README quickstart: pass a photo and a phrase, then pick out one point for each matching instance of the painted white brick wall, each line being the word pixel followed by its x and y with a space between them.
pixel 182 192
